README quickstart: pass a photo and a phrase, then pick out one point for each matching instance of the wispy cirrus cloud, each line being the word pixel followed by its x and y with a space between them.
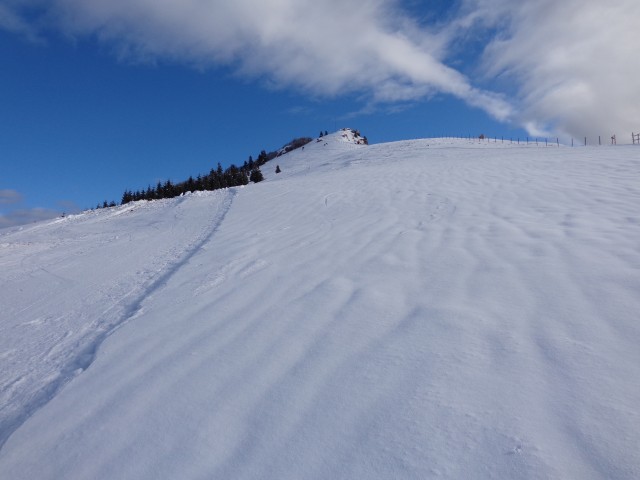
pixel 12 21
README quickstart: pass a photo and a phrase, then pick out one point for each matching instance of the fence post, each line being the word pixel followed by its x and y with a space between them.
pixel 585 141
pixel 599 140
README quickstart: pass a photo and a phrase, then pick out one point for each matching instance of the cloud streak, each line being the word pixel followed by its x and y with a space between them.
pixel 327 48
pixel 567 66
pixel 12 21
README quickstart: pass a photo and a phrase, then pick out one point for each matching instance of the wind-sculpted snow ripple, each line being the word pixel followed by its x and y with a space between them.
pixel 417 311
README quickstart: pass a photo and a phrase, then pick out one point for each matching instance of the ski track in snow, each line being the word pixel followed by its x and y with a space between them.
pixel 70 354
pixel 420 309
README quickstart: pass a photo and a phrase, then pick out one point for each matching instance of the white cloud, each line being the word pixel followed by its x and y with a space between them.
pixel 326 48
pixel 569 66
pixel 574 62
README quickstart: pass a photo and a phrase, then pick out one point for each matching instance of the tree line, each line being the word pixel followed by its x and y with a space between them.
pixel 232 176
pixel 217 178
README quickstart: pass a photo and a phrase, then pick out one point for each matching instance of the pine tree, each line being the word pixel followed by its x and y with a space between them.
pixel 190 184
pixel 256 176
pixel 262 158
pixel 168 189
pixel 127 197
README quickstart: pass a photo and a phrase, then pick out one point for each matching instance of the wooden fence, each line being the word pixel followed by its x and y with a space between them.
pixel 635 139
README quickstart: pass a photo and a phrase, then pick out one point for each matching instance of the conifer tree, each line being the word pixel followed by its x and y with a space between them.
pixel 217 178
pixel 168 189
pixel 190 184
pixel 256 176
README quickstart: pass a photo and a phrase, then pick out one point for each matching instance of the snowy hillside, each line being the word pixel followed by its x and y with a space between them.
pixel 421 309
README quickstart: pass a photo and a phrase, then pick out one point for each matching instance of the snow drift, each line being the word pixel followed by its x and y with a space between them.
pixel 418 309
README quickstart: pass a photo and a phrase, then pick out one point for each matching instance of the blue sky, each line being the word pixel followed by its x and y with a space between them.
pixel 109 95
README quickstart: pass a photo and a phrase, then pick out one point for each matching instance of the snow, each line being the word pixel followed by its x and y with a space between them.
pixel 418 309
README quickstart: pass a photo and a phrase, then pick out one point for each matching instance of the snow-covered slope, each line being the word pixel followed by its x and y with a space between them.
pixel 420 309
